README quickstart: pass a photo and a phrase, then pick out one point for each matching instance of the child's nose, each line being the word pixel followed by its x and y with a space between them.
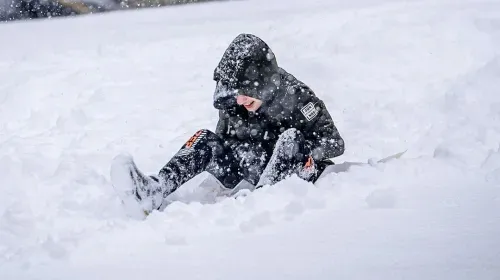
pixel 241 99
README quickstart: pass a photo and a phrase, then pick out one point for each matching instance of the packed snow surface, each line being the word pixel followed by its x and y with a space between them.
pixel 422 76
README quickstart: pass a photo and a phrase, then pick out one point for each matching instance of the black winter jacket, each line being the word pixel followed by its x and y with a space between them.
pixel 249 67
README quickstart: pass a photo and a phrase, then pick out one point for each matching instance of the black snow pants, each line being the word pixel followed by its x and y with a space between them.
pixel 206 151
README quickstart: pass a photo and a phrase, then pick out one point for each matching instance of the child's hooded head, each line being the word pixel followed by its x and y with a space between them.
pixel 248 67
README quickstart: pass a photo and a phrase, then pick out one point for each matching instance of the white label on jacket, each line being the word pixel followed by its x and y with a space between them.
pixel 309 111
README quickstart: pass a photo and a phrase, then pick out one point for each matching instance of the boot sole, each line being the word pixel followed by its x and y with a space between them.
pixel 121 169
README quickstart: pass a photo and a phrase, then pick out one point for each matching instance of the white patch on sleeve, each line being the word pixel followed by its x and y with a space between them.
pixel 309 111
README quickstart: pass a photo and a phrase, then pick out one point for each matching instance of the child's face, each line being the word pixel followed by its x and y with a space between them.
pixel 250 103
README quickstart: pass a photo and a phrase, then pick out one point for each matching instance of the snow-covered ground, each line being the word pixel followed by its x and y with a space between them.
pixel 396 75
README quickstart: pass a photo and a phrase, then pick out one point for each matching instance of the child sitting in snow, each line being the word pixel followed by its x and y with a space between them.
pixel 270 126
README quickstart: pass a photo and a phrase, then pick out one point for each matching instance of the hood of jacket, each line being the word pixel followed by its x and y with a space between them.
pixel 247 67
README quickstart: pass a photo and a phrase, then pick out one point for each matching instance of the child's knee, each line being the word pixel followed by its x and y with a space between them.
pixel 201 137
pixel 291 144
pixel 291 135
pixel 291 132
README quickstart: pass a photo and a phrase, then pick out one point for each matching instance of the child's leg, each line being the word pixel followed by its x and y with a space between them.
pixel 290 156
pixel 204 151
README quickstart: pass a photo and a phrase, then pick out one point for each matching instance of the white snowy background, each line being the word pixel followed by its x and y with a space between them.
pixel 422 76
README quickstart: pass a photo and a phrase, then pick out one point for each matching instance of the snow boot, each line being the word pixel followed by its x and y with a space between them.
pixel 140 194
